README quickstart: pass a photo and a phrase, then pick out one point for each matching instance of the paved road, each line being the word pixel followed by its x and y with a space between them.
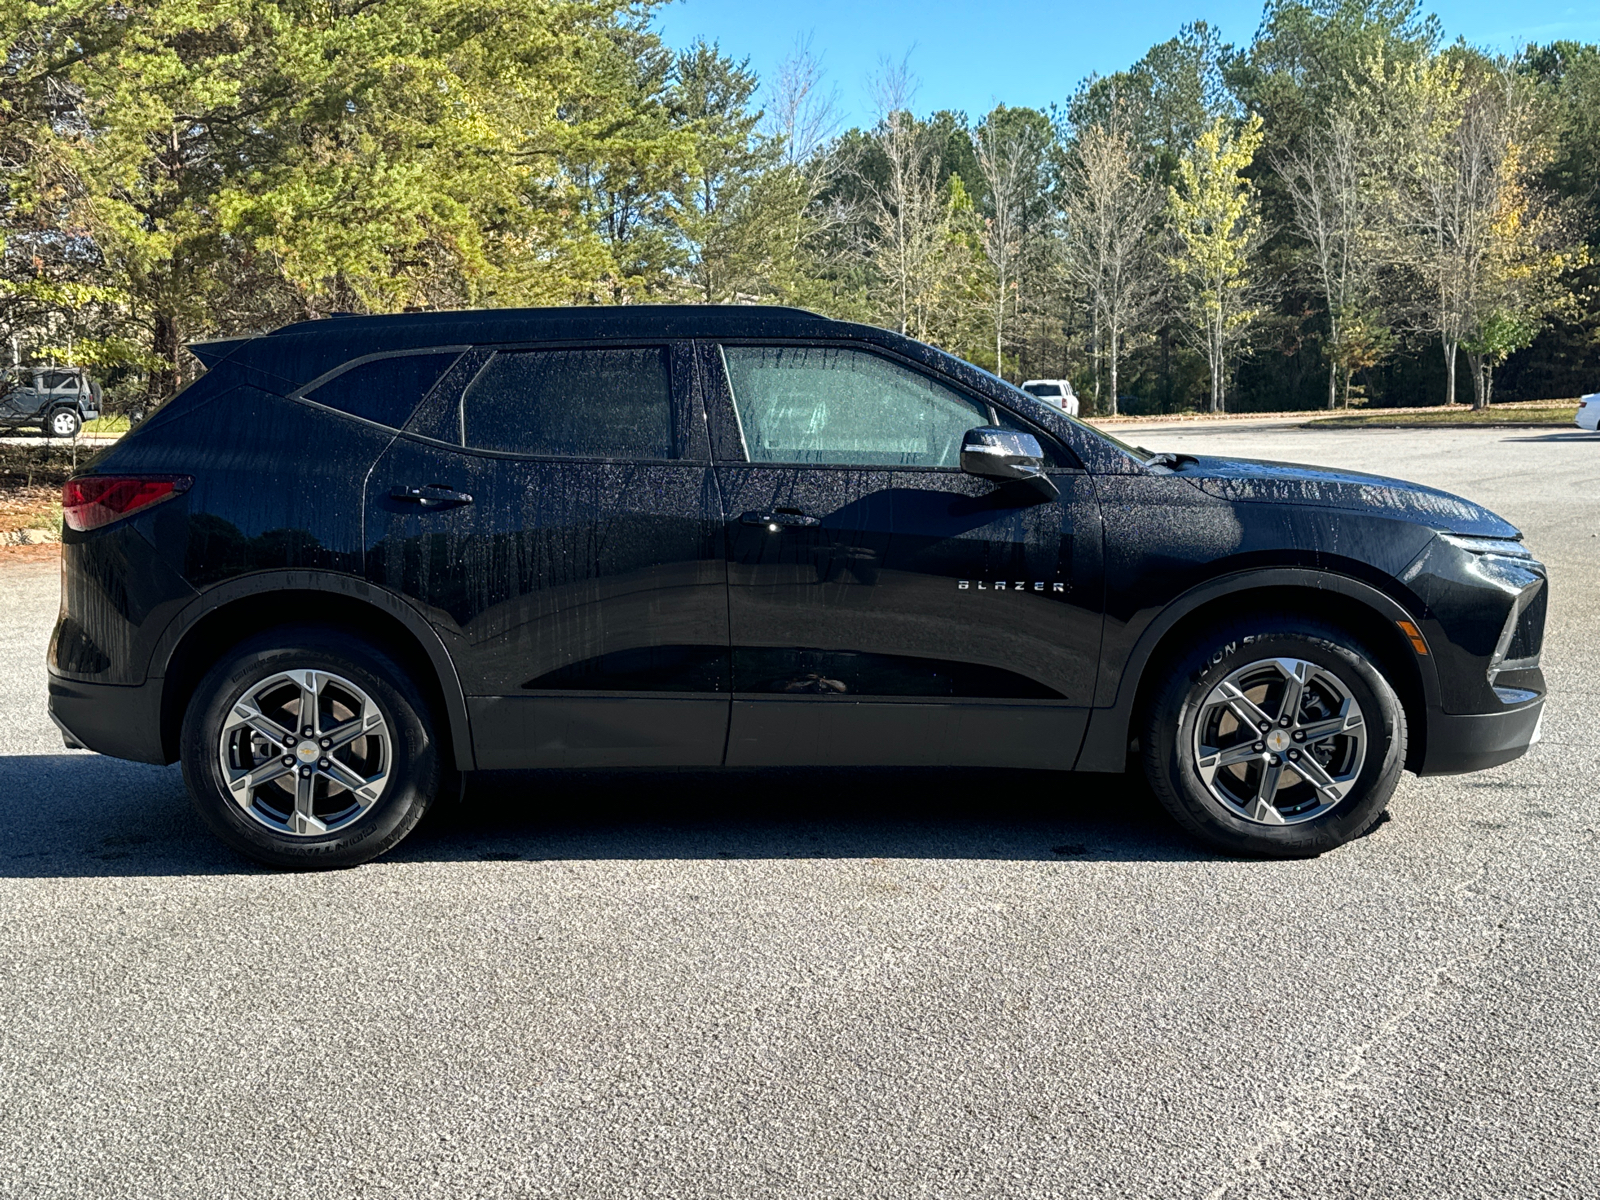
pixel 963 985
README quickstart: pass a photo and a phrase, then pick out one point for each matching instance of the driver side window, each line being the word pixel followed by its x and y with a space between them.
pixel 835 406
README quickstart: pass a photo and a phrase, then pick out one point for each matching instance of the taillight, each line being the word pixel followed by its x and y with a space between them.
pixel 90 501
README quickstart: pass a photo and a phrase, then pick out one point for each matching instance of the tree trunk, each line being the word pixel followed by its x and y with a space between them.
pixel 163 380
pixel 1113 341
pixel 1166 368
pixel 1333 384
pixel 1094 360
pixel 1480 401
pixel 999 319
pixel 1449 371
pixel 1218 400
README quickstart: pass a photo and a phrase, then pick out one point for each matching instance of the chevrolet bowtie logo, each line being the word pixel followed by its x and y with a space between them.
pixel 1005 585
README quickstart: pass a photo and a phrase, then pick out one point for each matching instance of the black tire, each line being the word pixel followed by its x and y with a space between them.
pixel 413 756
pixel 1188 694
pixel 62 422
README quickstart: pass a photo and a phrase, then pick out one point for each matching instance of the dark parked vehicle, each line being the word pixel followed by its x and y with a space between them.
pixel 362 556
pixel 56 399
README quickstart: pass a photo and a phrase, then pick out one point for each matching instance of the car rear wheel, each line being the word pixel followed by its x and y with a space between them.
pixel 1275 737
pixel 303 748
pixel 62 423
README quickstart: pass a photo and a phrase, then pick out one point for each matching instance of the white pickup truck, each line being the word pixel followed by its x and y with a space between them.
pixel 1057 393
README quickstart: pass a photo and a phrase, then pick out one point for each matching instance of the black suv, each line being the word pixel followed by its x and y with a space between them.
pixel 361 556
pixel 56 399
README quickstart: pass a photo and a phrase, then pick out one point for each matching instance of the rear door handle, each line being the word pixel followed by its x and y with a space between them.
pixel 780 520
pixel 432 497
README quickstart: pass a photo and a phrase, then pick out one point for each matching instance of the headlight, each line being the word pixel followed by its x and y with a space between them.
pixel 1486 598
pixel 1508 567
pixel 1522 637
pixel 1505 547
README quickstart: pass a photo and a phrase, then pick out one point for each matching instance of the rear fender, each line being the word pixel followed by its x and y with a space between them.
pixel 349 589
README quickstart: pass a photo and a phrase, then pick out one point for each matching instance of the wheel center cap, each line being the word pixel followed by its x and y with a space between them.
pixel 1278 741
pixel 307 752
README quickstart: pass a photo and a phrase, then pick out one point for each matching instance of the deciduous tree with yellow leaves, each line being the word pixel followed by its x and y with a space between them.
pixel 1214 217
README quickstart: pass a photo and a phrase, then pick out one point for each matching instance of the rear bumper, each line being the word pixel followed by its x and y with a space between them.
pixel 108 718
pixel 1457 744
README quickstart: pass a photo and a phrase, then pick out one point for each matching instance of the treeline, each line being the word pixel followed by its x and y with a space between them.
pixel 1349 207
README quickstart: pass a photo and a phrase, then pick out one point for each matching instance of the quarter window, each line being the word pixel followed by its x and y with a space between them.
pixel 385 390
pixel 829 405
pixel 571 404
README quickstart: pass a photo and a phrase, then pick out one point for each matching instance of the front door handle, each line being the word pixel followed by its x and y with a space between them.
pixel 782 519
pixel 432 497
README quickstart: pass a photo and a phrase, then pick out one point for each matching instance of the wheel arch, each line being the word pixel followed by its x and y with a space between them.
pixel 1349 603
pixel 229 613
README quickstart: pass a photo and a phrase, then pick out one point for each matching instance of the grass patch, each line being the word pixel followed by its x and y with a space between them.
pixel 1499 414
pixel 117 424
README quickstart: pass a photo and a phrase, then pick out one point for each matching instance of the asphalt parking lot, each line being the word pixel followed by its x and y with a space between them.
pixel 826 985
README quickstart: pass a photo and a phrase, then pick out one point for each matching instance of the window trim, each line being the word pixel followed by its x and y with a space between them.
pixel 301 393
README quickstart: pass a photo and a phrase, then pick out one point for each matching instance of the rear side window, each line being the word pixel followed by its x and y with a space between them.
pixel 57 380
pixel 385 390
pixel 571 404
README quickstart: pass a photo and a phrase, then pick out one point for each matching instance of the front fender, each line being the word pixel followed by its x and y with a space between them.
pixel 1105 746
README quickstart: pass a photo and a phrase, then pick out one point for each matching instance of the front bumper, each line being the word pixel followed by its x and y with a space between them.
pixel 1476 741
pixel 123 721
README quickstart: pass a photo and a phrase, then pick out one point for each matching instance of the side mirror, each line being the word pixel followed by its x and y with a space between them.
pixel 1006 456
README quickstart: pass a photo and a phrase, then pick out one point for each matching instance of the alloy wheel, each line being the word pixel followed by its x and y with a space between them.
pixel 1280 741
pixel 305 752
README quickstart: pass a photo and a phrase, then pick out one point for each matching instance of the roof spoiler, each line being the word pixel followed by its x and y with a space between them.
pixel 212 352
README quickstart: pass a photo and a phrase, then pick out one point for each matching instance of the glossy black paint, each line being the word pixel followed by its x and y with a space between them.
pixel 559 568
pixel 987 589
pixel 613 612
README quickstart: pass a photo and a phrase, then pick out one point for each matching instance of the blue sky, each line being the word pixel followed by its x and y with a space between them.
pixel 968 55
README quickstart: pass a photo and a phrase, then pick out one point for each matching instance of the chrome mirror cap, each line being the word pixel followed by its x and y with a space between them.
pixel 1006 455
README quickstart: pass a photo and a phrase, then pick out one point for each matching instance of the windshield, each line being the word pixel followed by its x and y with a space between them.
pixel 1136 452
pixel 1023 400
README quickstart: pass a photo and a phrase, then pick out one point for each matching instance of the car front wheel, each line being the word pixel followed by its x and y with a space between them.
pixel 303 748
pixel 63 423
pixel 1275 737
